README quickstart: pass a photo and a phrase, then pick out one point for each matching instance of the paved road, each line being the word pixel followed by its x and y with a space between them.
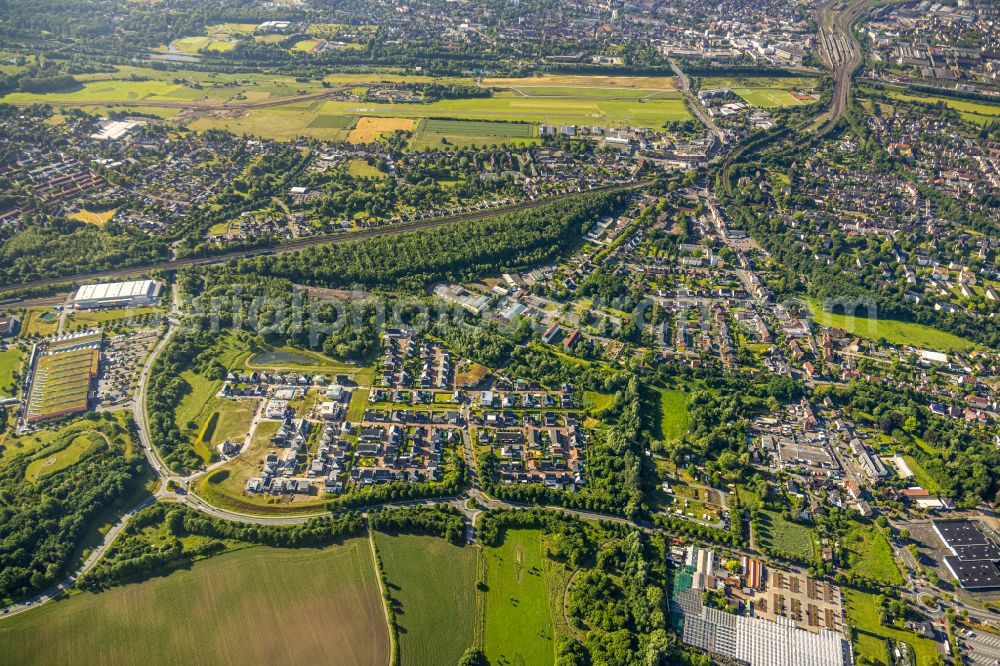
pixel 85 566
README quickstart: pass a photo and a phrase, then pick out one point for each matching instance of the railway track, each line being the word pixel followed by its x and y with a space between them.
pixel 843 55
pixel 303 243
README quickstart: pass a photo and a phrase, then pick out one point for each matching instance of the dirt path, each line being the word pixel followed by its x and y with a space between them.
pixel 393 647
pixel 565 601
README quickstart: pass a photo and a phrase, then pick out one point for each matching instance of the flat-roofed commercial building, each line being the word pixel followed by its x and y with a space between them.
pixel 975 558
pixel 117 295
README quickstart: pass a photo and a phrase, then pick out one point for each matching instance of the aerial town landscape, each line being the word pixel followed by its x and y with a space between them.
pixel 500 332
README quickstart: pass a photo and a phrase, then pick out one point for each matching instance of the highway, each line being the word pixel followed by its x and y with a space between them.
pixel 325 239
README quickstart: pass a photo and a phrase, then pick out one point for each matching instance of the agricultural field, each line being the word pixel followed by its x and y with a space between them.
pixel 98 219
pixel 871 555
pixel 368 129
pixel 777 532
pixel 894 332
pixel 863 613
pixel 518 621
pixel 333 122
pixel 281 123
pixel 322 606
pixel 433 585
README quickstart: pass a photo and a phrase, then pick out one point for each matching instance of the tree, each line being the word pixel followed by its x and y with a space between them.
pixel 473 657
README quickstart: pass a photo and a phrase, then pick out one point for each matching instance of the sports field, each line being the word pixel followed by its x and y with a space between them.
pixel 518 622
pixel 894 331
pixel 433 584
pixel 252 606
pixel 769 98
pixel 767 92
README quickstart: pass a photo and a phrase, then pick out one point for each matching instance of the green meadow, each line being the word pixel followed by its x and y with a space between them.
pixel 518 621
pixel 895 332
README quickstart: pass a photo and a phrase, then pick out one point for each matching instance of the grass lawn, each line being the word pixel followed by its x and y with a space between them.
pixel 61 459
pixel 361 169
pixel 597 402
pixel 224 487
pixel 872 648
pixel 895 332
pixel 199 403
pixel 871 555
pixel 622 84
pixel 27 444
pixel 358 404
pixel 41 321
pixel 257 605
pixel 787 536
pixel 979 113
pixel 433 584
pixel 673 417
pixel 518 622
pixel 10 362
pixel 862 612
pixel 98 318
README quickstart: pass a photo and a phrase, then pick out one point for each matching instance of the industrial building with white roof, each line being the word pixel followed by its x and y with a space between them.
pixel 117 295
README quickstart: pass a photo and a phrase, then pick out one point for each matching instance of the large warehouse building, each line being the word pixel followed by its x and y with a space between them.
pixel 974 559
pixel 117 295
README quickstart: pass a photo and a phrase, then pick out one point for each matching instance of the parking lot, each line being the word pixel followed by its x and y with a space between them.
pixel 980 648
